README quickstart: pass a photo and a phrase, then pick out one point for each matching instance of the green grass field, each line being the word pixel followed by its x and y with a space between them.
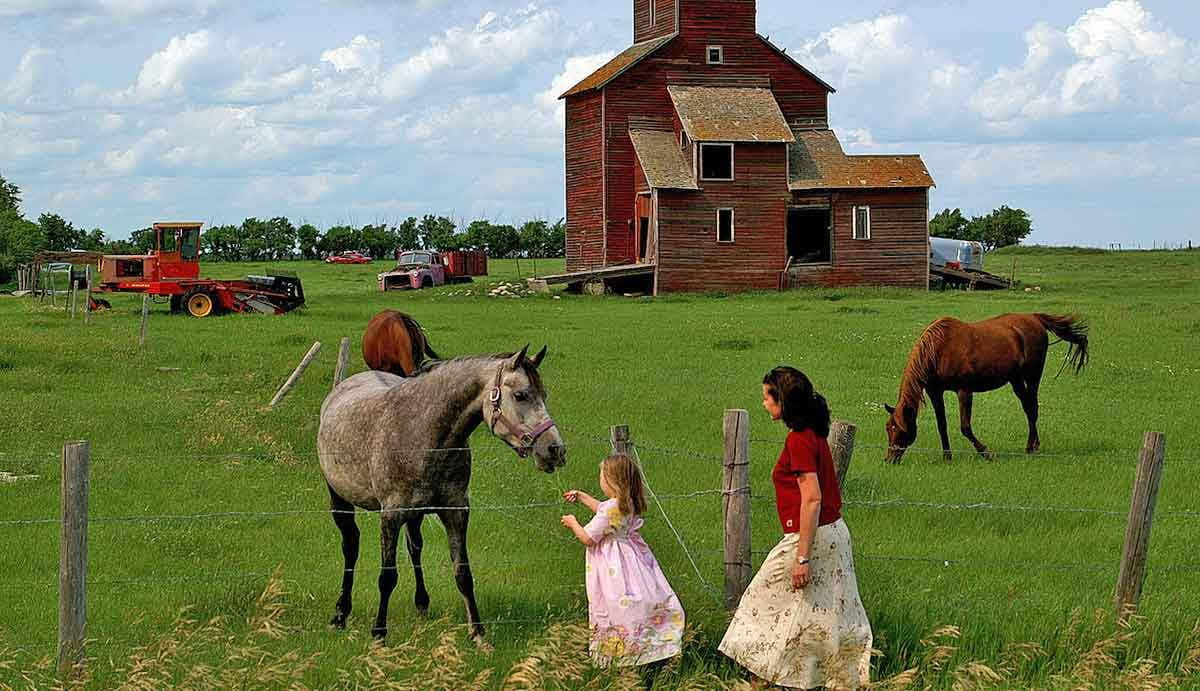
pixel 200 441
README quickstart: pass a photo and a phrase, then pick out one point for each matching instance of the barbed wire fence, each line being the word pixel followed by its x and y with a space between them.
pixel 736 496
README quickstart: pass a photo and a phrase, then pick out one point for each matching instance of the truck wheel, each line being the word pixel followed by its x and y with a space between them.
pixel 427 282
pixel 200 304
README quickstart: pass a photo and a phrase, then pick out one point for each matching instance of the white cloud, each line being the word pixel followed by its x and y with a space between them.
pixel 166 72
pixel 38 81
pixel 361 54
pixel 1116 58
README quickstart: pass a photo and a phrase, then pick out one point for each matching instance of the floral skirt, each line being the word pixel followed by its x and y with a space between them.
pixel 817 636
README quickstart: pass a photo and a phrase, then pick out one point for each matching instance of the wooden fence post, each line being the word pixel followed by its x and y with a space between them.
pixel 619 437
pixel 1141 515
pixel 145 318
pixel 841 443
pixel 74 291
pixel 87 307
pixel 339 373
pixel 73 554
pixel 736 494
pixel 53 289
pixel 291 381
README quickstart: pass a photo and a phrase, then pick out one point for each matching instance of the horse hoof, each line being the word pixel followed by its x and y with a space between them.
pixel 481 644
pixel 379 633
pixel 338 621
pixel 948 458
pixel 987 455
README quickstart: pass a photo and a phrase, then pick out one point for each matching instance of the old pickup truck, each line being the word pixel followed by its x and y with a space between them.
pixel 426 269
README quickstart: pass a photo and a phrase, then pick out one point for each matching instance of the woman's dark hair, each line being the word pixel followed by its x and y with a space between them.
pixel 802 407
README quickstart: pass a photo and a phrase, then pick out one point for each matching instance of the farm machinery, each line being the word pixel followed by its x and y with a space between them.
pixel 172 271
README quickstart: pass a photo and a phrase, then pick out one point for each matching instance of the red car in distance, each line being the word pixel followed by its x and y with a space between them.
pixel 348 257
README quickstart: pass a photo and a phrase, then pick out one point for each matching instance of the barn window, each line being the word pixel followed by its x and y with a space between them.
pixel 862 223
pixel 716 55
pixel 724 225
pixel 716 161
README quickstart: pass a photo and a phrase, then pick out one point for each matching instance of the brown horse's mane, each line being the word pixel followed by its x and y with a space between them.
pixel 921 364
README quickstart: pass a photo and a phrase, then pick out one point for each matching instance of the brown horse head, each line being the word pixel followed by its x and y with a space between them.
pixel 901 431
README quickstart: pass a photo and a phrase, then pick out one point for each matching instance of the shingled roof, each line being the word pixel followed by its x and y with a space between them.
pixel 662 160
pixel 615 67
pixel 817 162
pixel 729 114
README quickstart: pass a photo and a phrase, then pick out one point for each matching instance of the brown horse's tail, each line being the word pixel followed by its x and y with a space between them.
pixel 418 340
pixel 1074 331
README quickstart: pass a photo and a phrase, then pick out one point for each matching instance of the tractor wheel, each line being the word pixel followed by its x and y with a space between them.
pixel 176 304
pixel 200 304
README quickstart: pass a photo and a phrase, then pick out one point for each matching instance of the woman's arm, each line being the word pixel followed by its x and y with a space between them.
pixel 810 514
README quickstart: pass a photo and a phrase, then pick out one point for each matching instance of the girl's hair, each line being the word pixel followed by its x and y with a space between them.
pixel 802 407
pixel 625 478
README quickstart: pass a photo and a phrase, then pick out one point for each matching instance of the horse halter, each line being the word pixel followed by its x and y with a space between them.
pixel 527 437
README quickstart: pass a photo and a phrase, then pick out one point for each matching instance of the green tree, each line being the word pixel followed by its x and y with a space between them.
pixel 10 197
pixel 60 235
pixel 379 240
pixel 1002 228
pixel 309 238
pixel 222 243
pixel 20 240
pixel 556 240
pixel 950 224
pixel 94 241
pixel 279 239
pixel 340 239
pixel 407 235
pixel 142 240
pixel 437 233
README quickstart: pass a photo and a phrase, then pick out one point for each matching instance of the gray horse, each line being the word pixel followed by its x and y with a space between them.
pixel 400 446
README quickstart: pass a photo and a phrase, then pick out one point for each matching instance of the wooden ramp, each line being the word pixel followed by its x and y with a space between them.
pixel 971 280
pixel 601 274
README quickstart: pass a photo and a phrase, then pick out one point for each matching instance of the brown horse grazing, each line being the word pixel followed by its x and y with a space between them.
pixel 983 356
pixel 396 343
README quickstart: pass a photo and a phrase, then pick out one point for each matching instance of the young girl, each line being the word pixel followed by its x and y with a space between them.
pixel 800 623
pixel 635 617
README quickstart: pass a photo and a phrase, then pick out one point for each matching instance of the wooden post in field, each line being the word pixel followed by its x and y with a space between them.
pixel 291 381
pixel 73 554
pixel 619 438
pixel 841 444
pixel 74 291
pixel 145 318
pixel 339 373
pixel 1013 281
pixel 1141 515
pixel 736 494
pixel 87 305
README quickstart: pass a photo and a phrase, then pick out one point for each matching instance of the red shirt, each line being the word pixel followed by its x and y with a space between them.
pixel 805 452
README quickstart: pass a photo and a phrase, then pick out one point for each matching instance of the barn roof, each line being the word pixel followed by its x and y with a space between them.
pixel 662 160
pixel 615 67
pixel 721 114
pixel 817 161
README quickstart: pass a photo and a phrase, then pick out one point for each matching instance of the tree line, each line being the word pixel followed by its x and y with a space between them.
pixel 277 238
pixel 1001 228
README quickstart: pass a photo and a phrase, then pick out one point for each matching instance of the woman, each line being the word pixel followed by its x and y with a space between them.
pixel 801 623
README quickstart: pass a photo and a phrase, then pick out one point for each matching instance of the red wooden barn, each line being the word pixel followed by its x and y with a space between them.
pixel 701 158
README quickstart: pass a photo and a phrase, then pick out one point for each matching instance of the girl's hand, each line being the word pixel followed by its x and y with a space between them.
pixel 801 576
pixel 569 521
pixel 571 496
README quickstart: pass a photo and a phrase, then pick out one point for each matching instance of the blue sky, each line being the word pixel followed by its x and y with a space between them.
pixel 117 113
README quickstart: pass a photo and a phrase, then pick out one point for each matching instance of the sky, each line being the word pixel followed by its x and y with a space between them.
pixel 118 113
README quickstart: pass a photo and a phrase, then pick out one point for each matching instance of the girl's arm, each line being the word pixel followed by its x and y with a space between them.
pixel 573 523
pixel 810 514
pixel 582 497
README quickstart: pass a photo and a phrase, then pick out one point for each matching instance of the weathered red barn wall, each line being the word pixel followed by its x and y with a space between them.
pixel 689 256
pixel 897 253
pixel 664 20
pixel 585 181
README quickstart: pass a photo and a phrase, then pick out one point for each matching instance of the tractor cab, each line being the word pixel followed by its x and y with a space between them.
pixel 176 257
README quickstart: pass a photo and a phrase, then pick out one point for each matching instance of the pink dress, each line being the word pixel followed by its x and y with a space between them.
pixel 635 617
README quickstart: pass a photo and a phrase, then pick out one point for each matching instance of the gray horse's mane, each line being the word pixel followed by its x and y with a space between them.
pixel 535 377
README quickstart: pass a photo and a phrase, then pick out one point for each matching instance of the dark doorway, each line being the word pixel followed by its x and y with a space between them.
pixel 643 238
pixel 809 236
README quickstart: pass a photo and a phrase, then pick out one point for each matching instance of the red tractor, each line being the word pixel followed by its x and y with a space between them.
pixel 172 270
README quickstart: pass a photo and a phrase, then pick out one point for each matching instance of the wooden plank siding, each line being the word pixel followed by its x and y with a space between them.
pixel 689 256
pixel 585 181
pixel 664 19
pixel 897 253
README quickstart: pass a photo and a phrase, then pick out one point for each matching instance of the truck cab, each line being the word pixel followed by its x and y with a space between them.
pixel 176 257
